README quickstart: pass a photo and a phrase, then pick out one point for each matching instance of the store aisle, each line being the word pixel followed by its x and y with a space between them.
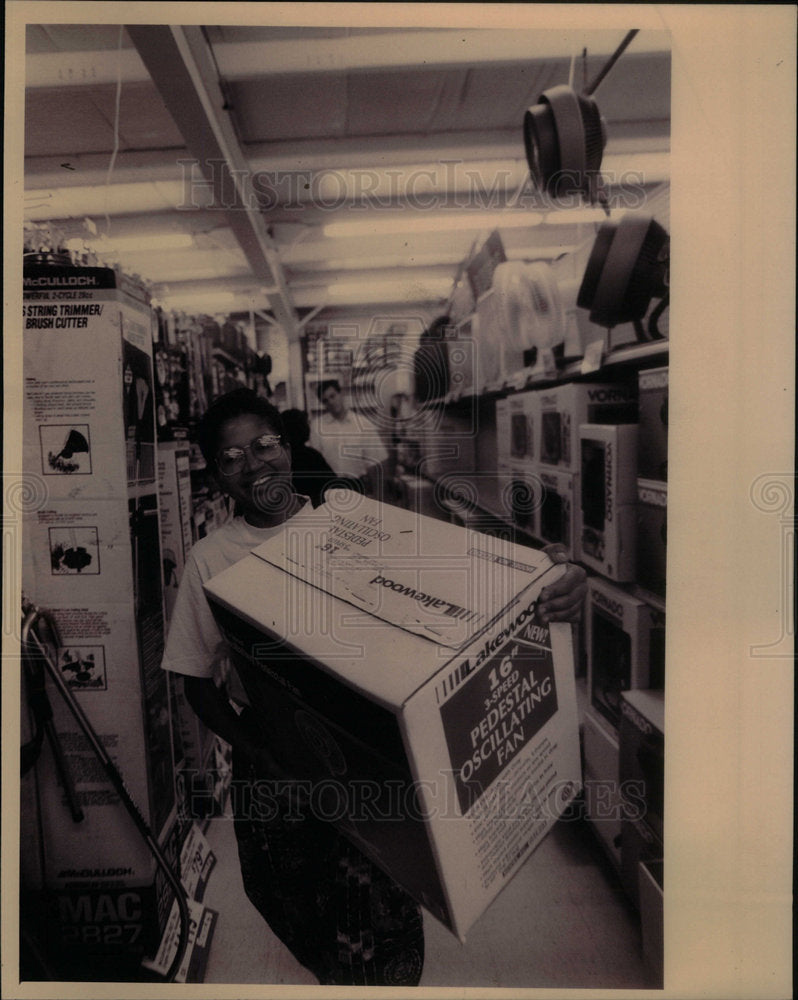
pixel 562 922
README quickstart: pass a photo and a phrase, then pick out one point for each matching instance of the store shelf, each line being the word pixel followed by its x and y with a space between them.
pixel 635 354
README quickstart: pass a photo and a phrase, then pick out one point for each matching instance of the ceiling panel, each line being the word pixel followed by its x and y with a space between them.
pixel 74 37
pixel 277 108
pixel 73 120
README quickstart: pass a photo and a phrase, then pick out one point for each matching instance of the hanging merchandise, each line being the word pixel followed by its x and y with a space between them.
pixel 628 267
pixel 529 306
pixel 565 136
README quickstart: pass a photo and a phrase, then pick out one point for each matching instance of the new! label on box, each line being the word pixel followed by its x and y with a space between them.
pixel 397 665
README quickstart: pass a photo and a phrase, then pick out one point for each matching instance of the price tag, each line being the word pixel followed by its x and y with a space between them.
pixel 594 352
pixel 548 362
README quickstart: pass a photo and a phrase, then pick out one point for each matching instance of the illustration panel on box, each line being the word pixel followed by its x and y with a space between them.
pixel 74 550
pixel 66 449
pixel 83 667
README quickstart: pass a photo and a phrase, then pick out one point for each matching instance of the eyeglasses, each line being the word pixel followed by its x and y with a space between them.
pixel 263 448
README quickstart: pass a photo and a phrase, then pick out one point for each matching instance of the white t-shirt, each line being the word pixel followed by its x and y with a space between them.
pixel 194 645
pixel 350 446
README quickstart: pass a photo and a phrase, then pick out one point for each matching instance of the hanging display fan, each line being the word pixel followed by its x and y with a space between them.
pixel 627 268
pixel 565 136
pixel 529 306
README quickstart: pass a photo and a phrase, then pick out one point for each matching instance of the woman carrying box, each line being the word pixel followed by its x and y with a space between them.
pixel 340 915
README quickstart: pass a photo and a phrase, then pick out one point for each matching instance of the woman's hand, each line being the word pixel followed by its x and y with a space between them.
pixel 563 600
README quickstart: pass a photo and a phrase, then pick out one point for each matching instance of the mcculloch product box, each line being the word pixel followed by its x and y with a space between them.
pixel 652 442
pixel 607 515
pixel 563 408
pixel 92 558
pixel 622 642
pixel 398 667
pixel 652 537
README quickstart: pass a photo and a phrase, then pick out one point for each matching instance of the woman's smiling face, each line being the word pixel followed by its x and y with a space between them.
pixel 262 488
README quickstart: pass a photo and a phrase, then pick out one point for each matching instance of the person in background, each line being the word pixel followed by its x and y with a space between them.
pixel 349 442
pixel 311 473
pixel 342 917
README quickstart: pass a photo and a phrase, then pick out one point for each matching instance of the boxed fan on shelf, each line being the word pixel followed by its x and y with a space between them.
pixel 652 442
pixel 564 407
pixel 642 774
pixel 603 802
pixel 558 506
pixel 520 496
pixel 523 418
pixel 652 538
pixel 628 268
pixel 607 515
pixel 625 644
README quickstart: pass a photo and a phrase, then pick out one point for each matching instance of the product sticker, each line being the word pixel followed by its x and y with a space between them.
pixel 591 362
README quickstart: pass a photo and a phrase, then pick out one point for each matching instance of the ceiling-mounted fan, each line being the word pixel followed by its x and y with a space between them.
pixel 565 136
pixel 627 268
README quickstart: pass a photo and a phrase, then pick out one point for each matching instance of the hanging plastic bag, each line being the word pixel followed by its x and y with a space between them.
pixel 529 306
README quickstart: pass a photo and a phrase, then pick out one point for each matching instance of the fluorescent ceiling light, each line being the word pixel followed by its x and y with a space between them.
pixel 197 299
pixel 136 244
pixel 421 222
pixel 574 216
pixel 388 291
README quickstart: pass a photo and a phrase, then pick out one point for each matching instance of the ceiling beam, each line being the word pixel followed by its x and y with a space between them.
pixel 391 50
pixel 181 65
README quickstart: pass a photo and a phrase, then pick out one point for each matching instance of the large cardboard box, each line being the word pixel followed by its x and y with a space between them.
pixel 92 557
pixel 652 535
pixel 397 665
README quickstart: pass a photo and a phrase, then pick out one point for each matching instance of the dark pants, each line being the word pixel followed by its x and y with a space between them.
pixel 341 917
